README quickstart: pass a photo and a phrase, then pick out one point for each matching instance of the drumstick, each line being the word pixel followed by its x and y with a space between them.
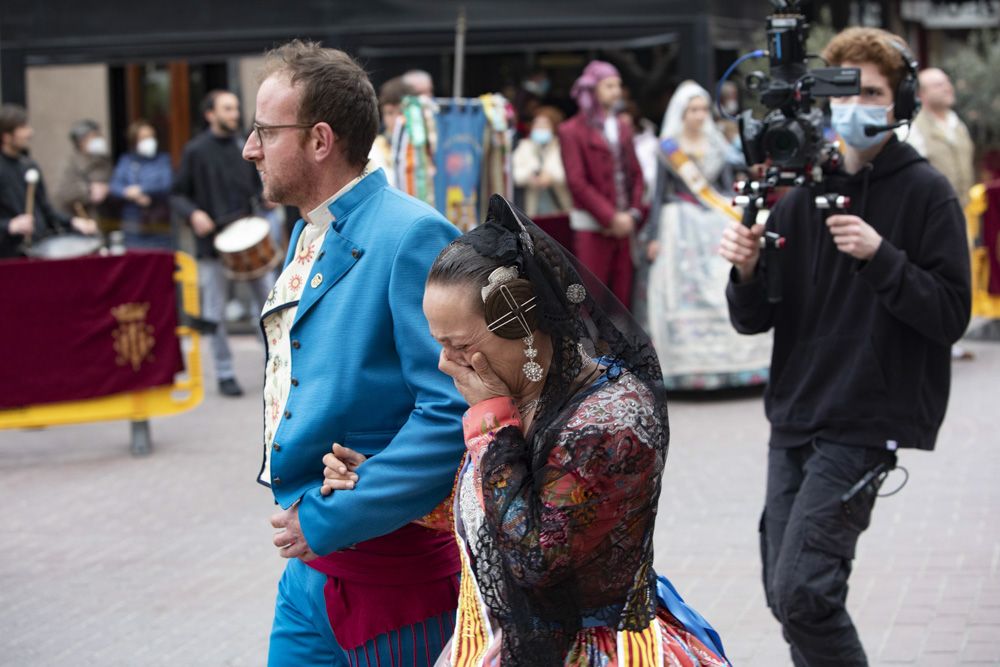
pixel 31 178
pixel 80 210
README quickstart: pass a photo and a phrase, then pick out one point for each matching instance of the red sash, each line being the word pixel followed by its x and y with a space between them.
pixel 389 582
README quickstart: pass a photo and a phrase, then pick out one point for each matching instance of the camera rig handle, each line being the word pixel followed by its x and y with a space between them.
pixel 753 197
pixel 831 201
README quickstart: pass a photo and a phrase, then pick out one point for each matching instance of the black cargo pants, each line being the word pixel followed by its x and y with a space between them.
pixel 807 542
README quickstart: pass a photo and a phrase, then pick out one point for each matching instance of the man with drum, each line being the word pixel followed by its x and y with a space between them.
pixel 214 188
pixel 26 215
pixel 350 360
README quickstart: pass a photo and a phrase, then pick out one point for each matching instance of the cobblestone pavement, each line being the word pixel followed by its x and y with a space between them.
pixel 166 560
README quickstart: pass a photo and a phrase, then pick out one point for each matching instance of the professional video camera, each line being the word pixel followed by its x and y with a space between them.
pixel 789 139
pixel 791 134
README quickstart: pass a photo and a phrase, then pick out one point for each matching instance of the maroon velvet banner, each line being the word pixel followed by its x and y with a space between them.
pixel 81 328
pixel 991 235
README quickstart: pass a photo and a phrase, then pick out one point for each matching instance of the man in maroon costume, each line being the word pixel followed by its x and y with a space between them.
pixel 604 178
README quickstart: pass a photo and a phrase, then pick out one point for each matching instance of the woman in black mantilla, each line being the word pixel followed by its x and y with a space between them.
pixel 567 436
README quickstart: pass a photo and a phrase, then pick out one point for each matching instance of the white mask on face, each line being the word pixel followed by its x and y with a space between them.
pixel 146 147
pixel 97 146
pixel 541 136
pixel 850 121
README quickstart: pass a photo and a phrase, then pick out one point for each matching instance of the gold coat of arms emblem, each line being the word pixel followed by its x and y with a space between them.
pixel 133 339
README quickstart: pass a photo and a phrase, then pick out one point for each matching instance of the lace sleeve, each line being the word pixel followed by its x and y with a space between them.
pixel 590 497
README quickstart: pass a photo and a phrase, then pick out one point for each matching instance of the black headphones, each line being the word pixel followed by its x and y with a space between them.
pixel 907 101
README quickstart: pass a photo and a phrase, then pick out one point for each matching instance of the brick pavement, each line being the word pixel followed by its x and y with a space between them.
pixel 925 588
pixel 166 560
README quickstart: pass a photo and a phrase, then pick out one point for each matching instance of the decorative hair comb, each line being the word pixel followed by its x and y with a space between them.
pixel 499 276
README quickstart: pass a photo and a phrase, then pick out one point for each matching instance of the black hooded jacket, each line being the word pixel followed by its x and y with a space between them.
pixel 13 192
pixel 862 349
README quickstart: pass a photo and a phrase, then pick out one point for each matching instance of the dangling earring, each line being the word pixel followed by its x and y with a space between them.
pixel 531 369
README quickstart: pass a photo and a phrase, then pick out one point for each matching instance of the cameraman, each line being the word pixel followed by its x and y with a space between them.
pixel 873 299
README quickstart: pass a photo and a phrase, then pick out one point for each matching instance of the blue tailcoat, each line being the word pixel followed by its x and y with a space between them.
pixel 364 369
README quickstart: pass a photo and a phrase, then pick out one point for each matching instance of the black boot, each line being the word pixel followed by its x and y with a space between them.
pixel 229 387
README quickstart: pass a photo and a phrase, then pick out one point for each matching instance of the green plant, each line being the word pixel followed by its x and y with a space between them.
pixel 973 68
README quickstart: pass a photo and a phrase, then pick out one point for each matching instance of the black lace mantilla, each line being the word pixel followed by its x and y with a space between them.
pixel 540 590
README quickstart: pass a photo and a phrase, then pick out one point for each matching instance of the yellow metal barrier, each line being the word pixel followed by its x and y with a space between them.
pixel 984 304
pixel 186 393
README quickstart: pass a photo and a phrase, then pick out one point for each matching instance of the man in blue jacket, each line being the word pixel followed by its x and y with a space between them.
pixel 350 360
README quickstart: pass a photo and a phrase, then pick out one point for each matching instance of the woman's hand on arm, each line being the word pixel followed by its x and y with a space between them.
pixel 340 469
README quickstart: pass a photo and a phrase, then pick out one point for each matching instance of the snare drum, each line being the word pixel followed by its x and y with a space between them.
pixel 64 246
pixel 246 249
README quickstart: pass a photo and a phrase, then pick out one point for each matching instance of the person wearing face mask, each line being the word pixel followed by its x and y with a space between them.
pixel 873 298
pixel 604 178
pixel 538 169
pixel 729 101
pixel 141 181
pixel 84 182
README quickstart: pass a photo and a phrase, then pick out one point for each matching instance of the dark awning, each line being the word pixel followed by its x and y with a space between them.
pixel 68 30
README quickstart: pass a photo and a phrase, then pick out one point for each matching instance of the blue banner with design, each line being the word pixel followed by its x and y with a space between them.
pixel 461 126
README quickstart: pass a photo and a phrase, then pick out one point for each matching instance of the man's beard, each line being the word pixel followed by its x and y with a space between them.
pixel 287 191
pixel 227 129
pixel 276 193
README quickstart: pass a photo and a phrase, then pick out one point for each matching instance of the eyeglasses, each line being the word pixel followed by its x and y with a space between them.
pixel 262 130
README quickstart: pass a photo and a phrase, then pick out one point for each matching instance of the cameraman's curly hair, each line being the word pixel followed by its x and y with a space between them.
pixel 868 45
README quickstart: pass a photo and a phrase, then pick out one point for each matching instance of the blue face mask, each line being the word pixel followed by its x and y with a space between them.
pixel 849 121
pixel 541 137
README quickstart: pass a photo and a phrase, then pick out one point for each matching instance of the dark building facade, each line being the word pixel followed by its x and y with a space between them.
pixel 162 56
